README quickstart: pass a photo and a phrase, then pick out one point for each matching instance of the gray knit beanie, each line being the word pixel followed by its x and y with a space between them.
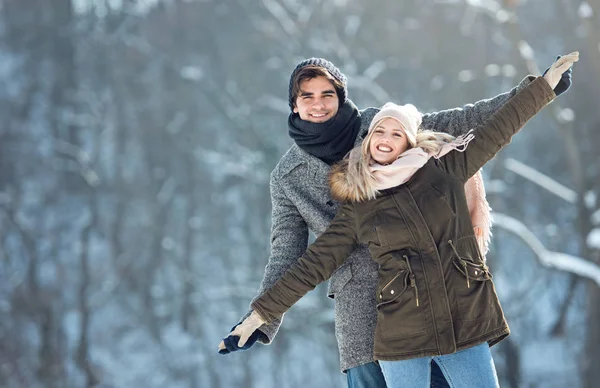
pixel 330 67
pixel 407 115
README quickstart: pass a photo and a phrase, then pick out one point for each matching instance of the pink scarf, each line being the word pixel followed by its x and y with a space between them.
pixel 410 161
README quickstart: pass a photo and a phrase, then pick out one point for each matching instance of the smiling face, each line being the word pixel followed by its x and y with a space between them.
pixel 388 141
pixel 317 100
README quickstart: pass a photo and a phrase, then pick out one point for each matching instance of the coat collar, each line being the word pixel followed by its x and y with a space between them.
pixel 297 156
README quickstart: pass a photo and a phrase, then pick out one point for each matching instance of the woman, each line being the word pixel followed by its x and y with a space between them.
pixel 404 196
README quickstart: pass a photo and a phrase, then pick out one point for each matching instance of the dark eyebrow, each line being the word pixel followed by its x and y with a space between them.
pixel 326 92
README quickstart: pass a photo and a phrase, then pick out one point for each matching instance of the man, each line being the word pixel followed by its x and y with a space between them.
pixel 325 125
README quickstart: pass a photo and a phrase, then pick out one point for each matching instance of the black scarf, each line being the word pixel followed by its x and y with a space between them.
pixel 329 141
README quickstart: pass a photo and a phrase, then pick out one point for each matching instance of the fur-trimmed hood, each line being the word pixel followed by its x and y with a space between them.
pixel 341 187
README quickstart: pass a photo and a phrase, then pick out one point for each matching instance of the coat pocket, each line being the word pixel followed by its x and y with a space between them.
pixel 398 312
pixel 389 229
pixel 339 279
pixel 472 271
pixel 474 290
pixel 440 202
pixel 391 289
pixel 379 231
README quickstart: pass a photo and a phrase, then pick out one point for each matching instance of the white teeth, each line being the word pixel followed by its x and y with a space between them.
pixel 319 114
pixel 384 148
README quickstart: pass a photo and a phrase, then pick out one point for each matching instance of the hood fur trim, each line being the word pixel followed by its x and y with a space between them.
pixel 341 187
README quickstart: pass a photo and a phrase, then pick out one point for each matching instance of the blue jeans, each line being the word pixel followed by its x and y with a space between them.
pixel 365 376
pixel 370 376
pixel 437 377
pixel 468 368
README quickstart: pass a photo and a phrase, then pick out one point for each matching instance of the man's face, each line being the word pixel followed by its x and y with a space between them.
pixel 388 141
pixel 317 101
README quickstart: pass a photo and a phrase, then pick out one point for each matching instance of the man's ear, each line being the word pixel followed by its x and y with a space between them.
pixel 295 110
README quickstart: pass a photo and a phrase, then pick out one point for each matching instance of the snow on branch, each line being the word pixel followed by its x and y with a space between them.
pixel 561 261
pixel 542 180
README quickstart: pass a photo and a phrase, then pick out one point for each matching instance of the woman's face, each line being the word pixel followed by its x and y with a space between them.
pixel 388 141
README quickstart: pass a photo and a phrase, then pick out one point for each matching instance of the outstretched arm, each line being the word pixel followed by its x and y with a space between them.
pixel 497 131
pixel 289 238
pixel 317 264
pixel 321 259
pixel 458 121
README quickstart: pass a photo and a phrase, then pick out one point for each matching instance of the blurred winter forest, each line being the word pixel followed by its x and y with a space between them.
pixel 136 144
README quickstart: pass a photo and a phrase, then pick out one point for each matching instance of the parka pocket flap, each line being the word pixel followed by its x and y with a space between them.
pixel 467 248
pixel 392 288
pixel 472 271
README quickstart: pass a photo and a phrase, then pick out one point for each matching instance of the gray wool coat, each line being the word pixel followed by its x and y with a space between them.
pixel 301 202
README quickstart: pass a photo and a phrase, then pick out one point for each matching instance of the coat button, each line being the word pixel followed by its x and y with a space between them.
pixel 392 292
pixel 476 272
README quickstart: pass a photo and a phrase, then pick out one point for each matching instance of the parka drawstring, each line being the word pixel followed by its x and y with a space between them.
pixel 466 274
pixel 484 268
pixel 462 262
pixel 453 248
pixel 411 276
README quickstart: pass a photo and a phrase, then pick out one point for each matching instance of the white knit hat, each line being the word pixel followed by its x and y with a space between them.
pixel 407 115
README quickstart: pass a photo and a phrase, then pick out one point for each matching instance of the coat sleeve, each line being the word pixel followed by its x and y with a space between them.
pixel 317 264
pixel 289 239
pixel 498 130
pixel 458 121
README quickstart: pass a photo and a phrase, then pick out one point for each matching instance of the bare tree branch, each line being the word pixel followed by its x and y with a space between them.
pixel 561 261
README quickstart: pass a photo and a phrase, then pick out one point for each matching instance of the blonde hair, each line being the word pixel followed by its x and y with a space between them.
pixel 362 181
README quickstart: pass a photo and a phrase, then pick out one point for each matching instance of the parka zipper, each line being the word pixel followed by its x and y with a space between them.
pixel 411 276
